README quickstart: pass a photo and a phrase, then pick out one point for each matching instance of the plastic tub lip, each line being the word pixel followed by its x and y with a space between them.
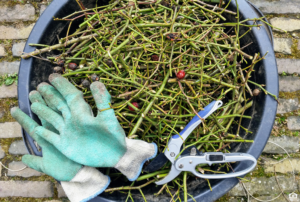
pixel 262 36
pixel 26 66
pixel 263 132
pixel 260 14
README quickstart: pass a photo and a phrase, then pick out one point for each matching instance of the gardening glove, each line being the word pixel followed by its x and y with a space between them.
pixel 93 141
pixel 79 183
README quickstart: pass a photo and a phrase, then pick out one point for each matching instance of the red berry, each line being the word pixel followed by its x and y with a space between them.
pixel 134 104
pixel 155 57
pixel 72 66
pixel 180 74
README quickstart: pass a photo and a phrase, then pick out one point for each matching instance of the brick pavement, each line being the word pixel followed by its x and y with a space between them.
pixel 283 14
pixel 15 25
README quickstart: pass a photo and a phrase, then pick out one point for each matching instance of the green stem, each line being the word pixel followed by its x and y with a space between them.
pixel 145 113
pixel 185 186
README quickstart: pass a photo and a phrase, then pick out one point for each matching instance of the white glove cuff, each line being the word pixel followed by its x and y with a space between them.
pixel 87 184
pixel 138 152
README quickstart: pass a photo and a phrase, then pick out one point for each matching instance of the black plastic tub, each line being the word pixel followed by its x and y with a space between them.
pixel 34 71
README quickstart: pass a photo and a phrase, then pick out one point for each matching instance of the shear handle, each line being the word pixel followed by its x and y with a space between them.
pixel 189 163
pixel 176 141
pixel 208 110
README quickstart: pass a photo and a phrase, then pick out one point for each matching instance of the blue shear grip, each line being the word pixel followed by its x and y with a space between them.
pixel 202 114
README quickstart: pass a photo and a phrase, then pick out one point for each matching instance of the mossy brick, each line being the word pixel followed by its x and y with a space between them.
pixel 283 45
pixel 2 153
pixel 18 48
pixel 289 83
pixel 232 199
pixel 278 6
pixel 281 198
pixel 53 201
pixel 286 166
pixel 18 147
pixel 9 91
pixel 293 123
pixel 9 67
pixel 5 105
pixel 33 189
pixel 18 165
pixel 290 144
pixel 18 12
pixel 43 8
pixel 288 66
pixel 287 24
pixel 265 186
pixel 2 51
pixel 13 32
pixel 10 130
pixel 287 105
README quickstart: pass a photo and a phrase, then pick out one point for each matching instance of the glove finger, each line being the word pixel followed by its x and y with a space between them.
pixel 35 96
pixel 28 124
pixel 24 120
pixel 54 99
pixel 101 95
pixel 34 162
pixel 48 114
pixel 48 135
pixel 71 94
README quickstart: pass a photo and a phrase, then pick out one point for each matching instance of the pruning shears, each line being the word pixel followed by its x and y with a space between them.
pixel 190 158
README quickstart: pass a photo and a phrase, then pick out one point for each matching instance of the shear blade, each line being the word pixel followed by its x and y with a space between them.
pixel 160 160
pixel 157 163
pixel 171 176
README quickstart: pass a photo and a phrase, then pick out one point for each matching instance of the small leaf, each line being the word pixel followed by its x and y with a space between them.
pixel 9 81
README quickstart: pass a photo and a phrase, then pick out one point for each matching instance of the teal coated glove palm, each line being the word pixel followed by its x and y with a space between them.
pixel 93 141
pixel 79 183
pixel 53 162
